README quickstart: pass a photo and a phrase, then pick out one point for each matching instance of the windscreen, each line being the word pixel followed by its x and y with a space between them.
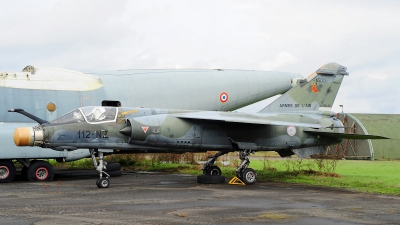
pixel 94 114
pixel 71 117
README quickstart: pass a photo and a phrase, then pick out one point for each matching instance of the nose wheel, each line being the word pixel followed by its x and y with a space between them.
pixel 102 182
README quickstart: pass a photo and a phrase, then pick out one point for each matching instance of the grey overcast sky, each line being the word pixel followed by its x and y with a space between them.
pixel 291 36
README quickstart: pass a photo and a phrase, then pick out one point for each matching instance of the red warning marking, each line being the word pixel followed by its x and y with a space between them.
pixel 314 88
pixel 223 97
pixel 145 129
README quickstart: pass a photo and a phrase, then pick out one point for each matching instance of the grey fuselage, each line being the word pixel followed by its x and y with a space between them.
pixel 163 130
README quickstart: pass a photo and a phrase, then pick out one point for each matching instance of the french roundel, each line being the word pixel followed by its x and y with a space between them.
pixel 291 130
pixel 223 97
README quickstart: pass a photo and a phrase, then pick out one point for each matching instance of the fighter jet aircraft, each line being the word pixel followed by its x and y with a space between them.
pixel 299 122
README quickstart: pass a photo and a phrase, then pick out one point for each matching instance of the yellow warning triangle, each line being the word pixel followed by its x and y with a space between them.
pixel 237 181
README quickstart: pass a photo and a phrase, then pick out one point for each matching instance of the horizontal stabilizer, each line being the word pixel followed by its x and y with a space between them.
pixel 345 136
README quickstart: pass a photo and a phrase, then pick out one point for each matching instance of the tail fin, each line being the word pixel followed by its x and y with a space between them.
pixel 317 90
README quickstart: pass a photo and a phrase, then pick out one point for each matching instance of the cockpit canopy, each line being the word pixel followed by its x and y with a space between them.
pixel 90 114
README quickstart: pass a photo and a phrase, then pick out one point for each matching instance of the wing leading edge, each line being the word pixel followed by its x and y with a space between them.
pixel 246 118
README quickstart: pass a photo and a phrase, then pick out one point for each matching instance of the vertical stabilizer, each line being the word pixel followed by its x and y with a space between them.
pixel 316 91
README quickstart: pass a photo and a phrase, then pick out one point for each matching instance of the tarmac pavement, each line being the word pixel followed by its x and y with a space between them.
pixel 162 198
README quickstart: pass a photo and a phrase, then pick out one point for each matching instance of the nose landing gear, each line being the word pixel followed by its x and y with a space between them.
pixel 102 182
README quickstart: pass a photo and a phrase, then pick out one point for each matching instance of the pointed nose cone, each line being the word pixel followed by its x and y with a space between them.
pixel 23 136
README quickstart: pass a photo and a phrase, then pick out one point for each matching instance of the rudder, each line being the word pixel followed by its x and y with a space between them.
pixel 316 91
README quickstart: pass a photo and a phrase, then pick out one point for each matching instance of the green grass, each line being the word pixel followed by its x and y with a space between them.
pixel 380 177
pixel 371 176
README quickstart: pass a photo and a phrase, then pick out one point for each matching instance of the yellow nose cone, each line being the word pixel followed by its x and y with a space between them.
pixel 23 136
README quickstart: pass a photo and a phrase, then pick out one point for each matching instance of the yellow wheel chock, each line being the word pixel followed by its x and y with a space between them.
pixel 237 181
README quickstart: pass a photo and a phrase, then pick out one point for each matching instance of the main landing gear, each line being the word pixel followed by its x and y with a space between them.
pixel 209 168
pixel 247 175
pixel 112 168
pixel 7 171
pixel 212 174
pixel 36 170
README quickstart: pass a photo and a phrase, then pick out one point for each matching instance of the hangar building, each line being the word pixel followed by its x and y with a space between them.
pixel 387 125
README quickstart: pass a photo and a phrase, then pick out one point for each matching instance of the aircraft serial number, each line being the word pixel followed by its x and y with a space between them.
pixel 295 105
pixel 94 134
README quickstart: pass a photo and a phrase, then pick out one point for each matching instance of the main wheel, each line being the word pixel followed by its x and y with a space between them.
pixel 214 170
pixel 7 171
pixel 249 176
pixel 40 171
pixel 103 182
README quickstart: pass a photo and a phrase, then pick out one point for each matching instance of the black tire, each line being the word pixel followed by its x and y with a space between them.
pixel 117 173
pixel 103 182
pixel 40 171
pixel 249 176
pixel 113 167
pixel 210 179
pixel 7 171
pixel 24 172
pixel 214 171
